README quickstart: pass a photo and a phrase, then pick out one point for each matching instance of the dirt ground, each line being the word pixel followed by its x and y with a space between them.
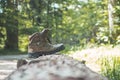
pixel 8 64
pixel 6 67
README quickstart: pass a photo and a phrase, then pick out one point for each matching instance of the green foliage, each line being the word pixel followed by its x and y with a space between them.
pixel 111 67
pixel 23 42
pixel 11 52
pixel 103 35
pixel 73 22
pixel 2 36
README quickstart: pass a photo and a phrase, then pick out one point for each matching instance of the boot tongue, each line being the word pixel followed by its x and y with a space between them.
pixel 44 33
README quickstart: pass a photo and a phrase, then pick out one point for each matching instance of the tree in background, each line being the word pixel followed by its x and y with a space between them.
pixel 73 22
pixel 10 22
pixel 13 18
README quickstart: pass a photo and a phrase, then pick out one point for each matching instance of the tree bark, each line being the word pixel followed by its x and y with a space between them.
pixel 110 16
pixel 11 26
pixel 12 36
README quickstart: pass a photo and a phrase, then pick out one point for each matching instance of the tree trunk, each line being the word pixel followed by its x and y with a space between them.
pixel 11 26
pixel 12 36
pixel 110 16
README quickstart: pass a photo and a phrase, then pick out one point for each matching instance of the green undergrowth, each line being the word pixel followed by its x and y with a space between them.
pixel 11 52
pixel 110 67
pixel 104 59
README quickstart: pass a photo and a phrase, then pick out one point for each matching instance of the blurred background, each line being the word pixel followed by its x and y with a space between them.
pixel 75 23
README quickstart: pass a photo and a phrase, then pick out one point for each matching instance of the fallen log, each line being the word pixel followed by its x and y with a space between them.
pixel 54 67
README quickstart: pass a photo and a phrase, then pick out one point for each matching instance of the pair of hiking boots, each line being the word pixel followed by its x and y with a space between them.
pixel 39 44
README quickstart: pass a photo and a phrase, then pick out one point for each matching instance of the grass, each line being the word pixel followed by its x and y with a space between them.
pixel 103 59
pixel 110 67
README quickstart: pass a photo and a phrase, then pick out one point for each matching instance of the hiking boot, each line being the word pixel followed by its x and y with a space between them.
pixel 40 45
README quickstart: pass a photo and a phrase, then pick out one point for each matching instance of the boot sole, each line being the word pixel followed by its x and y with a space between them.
pixel 42 53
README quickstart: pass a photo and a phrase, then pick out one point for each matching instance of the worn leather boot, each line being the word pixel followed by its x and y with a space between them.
pixel 40 45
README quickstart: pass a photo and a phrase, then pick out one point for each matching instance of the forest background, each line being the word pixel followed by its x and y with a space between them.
pixel 75 23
